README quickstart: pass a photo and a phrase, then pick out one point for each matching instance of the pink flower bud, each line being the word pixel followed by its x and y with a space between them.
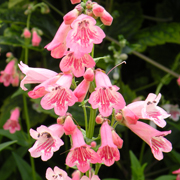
pixel 93 144
pixel 69 126
pixel 89 74
pixel 60 120
pixel 26 33
pixel 76 175
pixel 75 1
pixel 71 16
pixel 99 119
pixel 36 39
pixel 15 80
pixel 106 18
pixel 117 140
pixel 9 54
pixel 97 10
pixel 119 117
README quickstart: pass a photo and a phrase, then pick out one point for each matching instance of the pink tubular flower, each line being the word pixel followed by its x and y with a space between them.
pixel 58 46
pixel 117 140
pixel 97 10
pixel 57 174
pixel 69 126
pixel 89 75
pixel 71 16
pixel 108 151
pixel 148 109
pixel 12 123
pixel 26 33
pixel 94 177
pixel 152 137
pixel 34 75
pixel 173 110
pixel 105 97
pixel 6 76
pixel 75 1
pixel 36 39
pixel 76 175
pixel 83 34
pixel 81 90
pixel 59 96
pixel 178 174
pixel 76 65
pixel 48 141
pixel 80 153
pixel 106 18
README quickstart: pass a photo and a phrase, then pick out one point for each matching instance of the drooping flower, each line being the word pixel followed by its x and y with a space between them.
pixel 148 109
pixel 58 46
pixel 12 124
pixel 178 174
pixel 59 96
pixel 154 138
pixel 83 35
pixel 173 110
pixel 108 151
pixel 57 174
pixel 75 64
pixel 36 39
pixel 34 75
pixel 80 154
pixel 6 76
pixel 48 141
pixel 105 97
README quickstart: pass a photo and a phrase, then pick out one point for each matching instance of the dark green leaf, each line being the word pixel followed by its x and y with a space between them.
pixel 6 144
pixel 166 177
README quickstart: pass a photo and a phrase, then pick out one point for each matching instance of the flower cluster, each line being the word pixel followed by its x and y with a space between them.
pixel 74 42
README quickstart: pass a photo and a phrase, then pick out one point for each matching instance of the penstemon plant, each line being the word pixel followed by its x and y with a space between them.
pixel 79 81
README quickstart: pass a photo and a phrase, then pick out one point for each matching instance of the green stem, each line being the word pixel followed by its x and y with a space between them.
pixel 112 118
pixel 97 168
pixel 142 152
pixel 85 116
pixel 147 59
pixel 159 88
pixel 54 8
pixel 145 87
pixel 91 123
pixel 157 19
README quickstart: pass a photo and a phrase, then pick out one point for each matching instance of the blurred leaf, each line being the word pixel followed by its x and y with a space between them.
pixel 6 144
pixel 137 169
pixel 5 170
pixel 24 168
pixel 166 177
pixel 13 3
pixel 175 156
pixel 157 35
pixel 19 136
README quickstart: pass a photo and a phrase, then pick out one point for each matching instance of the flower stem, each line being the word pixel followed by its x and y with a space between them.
pixel 91 123
pixel 85 116
pixel 97 168
pixel 142 152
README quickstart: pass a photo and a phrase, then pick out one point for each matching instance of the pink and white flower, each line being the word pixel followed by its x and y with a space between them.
pixel 47 141
pixel 83 35
pixel 6 76
pixel 148 109
pixel 58 46
pixel 105 97
pixel 12 124
pixel 108 151
pixel 34 75
pixel 57 174
pixel 154 138
pixel 80 154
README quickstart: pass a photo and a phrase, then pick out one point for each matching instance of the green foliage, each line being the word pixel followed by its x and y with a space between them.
pixel 6 144
pixel 166 177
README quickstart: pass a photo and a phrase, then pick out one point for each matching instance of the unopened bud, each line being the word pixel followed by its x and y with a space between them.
pixel 118 117
pixel 71 16
pixel 69 126
pixel 60 120
pixel 89 75
pixel 93 144
pixel 26 33
pixel 99 119
pixel 117 140
pixel 97 10
pixel 44 8
pixel 89 12
pixel 106 18
pixel 9 54
pixel 116 75
pixel 123 56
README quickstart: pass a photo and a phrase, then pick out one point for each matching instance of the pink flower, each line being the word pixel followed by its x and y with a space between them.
pixel 154 138
pixel 84 34
pixel 178 174
pixel 75 1
pixel 71 16
pixel 106 18
pixel 105 97
pixel 97 10
pixel 173 110
pixel 7 75
pixel 108 151
pixel 48 141
pixel 94 177
pixel 80 153
pixel 69 126
pixel 77 65
pixel 117 140
pixel 148 109
pixel 36 39
pixel 58 46
pixel 59 96
pixel 34 75
pixel 178 81
pixel 26 33
pixel 12 124
pixel 76 175
pixel 57 174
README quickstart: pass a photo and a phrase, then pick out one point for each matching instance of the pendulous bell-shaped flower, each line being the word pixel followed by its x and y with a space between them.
pixel 47 141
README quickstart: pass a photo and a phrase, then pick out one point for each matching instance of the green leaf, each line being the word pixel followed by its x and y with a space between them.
pixel 166 177
pixel 12 3
pixel 20 137
pixel 5 171
pixel 6 144
pixel 136 168
pixel 157 35
pixel 175 156
pixel 24 168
